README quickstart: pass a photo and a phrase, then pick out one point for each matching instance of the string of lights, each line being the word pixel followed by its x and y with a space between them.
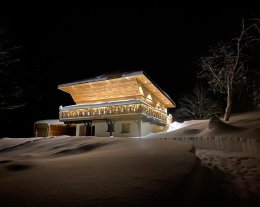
pixel 112 110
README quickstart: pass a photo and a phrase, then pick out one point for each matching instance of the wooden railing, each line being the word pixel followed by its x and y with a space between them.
pixel 111 110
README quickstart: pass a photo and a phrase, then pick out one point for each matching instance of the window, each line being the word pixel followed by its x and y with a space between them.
pixel 125 128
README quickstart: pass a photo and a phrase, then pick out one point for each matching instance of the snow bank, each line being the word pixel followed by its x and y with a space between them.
pixel 94 171
pixel 91 171
pixel 11 142
pixel 246 125
pixel 178 125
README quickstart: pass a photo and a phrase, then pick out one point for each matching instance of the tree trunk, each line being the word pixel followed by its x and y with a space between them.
pixel 229 103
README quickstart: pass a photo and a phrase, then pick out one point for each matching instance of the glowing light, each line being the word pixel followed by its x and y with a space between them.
pixel 113 110
pixel 176 125
pixel 149 96
pixel 141 90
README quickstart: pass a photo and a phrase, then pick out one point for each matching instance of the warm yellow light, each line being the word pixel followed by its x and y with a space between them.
pixel 149 96
pixel 141 90
pixel 122 88
pixel 113 110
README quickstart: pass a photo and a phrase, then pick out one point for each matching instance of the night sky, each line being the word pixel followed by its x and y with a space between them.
pixel 65 43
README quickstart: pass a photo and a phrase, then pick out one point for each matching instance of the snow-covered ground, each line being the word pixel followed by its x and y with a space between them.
pixel 239 173
pixel 93 171
pixel 160 169
pixel 231 151
pixel 178 125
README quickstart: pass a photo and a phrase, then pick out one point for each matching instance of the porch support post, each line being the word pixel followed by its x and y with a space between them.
pixel 77 129
pixel 140 127
pixel 110 126
pixel 88 125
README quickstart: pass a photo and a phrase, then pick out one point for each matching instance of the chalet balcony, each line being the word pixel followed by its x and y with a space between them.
pixel 118 110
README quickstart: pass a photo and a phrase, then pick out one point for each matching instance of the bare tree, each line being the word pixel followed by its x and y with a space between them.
pixel 10 88
pixel 7 48
pixel 198 105
pixel 225 67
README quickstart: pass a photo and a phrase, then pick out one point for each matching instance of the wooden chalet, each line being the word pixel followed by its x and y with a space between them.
pixel 126 104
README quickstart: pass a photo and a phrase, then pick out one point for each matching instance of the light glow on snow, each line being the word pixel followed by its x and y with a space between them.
pixel 176 125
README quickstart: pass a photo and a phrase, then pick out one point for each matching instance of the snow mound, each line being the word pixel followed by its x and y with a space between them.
pixel 176 125
pixel 216 124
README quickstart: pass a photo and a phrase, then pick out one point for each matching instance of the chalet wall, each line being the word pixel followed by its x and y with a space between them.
pixel 148 128
pixel 101 129
pixel 133 132
pixel 120 129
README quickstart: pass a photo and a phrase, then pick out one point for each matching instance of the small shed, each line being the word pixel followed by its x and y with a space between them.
pixel 53 127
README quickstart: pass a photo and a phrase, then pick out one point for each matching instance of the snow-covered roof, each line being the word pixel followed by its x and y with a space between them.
pixel 102 77
pixel 49 121
pixel 116 86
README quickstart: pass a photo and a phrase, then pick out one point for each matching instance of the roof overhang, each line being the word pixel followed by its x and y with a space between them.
pixel 114 87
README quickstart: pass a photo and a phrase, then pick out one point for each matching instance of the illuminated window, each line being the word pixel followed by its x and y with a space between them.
pixel 125 128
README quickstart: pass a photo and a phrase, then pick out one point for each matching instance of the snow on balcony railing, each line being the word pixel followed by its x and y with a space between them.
pixel 110 110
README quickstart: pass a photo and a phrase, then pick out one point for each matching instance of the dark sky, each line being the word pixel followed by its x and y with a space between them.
pixel 71 42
